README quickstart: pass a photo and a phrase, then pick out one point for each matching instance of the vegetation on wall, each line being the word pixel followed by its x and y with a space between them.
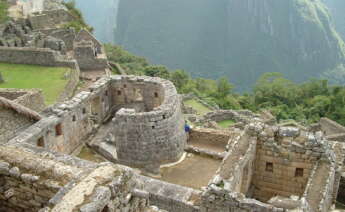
pixel 3 11
pixel 306 102
pixel 79 22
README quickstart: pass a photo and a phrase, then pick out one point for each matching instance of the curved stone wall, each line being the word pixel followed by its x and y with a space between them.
pixel 149 129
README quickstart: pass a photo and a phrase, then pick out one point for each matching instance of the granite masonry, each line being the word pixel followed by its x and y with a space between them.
pixel 264 167
pixel 147 133
pixel 14 118
pixel 30 98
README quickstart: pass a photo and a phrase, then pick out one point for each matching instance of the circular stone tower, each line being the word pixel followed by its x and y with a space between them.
pixel 148 125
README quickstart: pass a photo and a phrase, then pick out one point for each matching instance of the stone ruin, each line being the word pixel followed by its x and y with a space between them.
pixel 136 124
pixel 30 98
pixel 38 28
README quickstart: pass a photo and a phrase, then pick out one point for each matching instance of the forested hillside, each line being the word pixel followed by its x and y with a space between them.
pixel 239 39
pixel 305 103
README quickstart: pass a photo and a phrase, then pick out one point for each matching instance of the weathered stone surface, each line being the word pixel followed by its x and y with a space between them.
pixel 99 200
pixel 288 131
pixel 4 167
pixel 55 44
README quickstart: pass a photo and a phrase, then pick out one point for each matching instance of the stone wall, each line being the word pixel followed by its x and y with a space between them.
pixel 271 161
pixel 35 180
pixel 218 199
pixel 67 35
pixel 157 126
pixel 84 35
pixel 152 132
pixel 12 123
pixel 237 168
pixel 331 127
pixel 337 137
pixel 70 87
pixel 209 137
pixel 167 196
pixel 283 164
pixel 50 19
pixel 29 180
pixel 86 54
pixel 34 56
pixel 30 98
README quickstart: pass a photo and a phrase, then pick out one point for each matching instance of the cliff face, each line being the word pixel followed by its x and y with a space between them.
pixel 337 10
pixel 240 39
pixel 101 15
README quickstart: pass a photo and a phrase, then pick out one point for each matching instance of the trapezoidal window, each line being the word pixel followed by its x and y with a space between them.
pixel 299 172
pixel 40 142
pixel 269 167
pixel 118 92
pixel 156 95
pixel 58 130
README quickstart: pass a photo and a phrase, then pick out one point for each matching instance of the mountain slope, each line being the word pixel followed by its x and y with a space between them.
pixel 240 39
pixel 101 15
pixel 337 9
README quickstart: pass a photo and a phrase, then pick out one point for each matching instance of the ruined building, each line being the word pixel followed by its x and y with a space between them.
pixel 139 124
pixel 142 158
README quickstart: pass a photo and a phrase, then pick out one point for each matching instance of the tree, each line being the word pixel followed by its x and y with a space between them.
pixel 157 71
pixel 180 78
pixel 224 88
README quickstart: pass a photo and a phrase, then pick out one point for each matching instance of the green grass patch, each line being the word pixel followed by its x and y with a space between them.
pixel 49 79
pixel 3 11
pixel 200 108
pixel 226 123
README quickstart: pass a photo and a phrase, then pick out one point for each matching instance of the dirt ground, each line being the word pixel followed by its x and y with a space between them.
pixel 195 171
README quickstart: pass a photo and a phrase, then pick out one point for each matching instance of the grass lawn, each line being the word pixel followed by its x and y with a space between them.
pixel 200 108
pixel 49 79
pixel 226 123
pixel 3 11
